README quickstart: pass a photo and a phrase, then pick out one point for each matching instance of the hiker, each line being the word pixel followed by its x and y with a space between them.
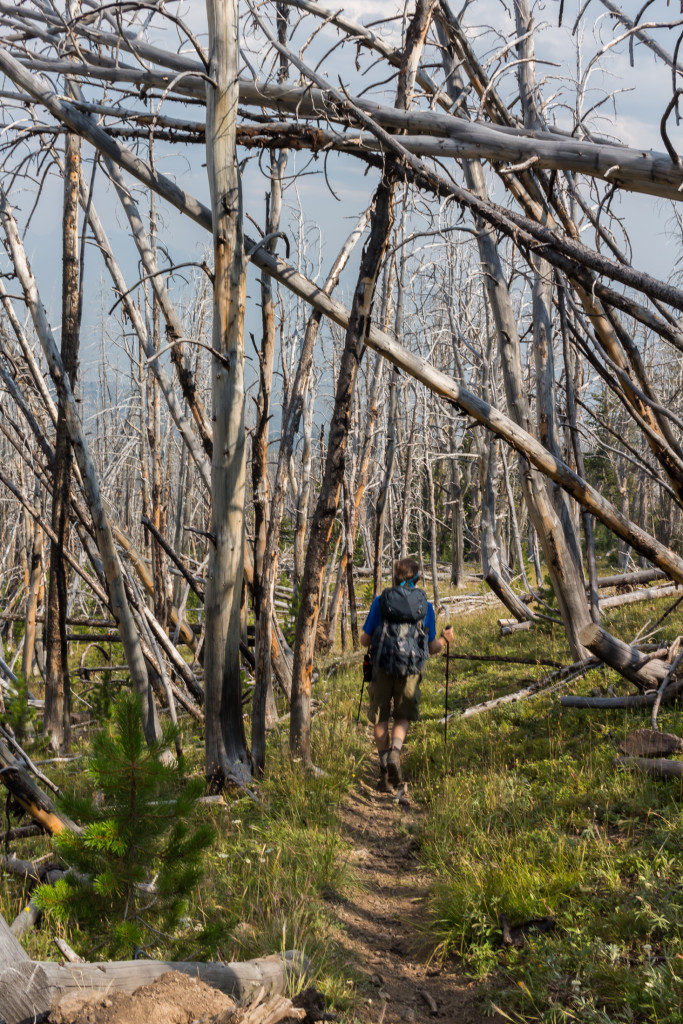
pixel 401 631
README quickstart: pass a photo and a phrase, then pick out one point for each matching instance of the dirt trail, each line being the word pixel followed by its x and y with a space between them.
pixel 382 922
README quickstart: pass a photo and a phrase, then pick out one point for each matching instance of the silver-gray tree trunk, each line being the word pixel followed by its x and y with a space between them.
pixel 226 754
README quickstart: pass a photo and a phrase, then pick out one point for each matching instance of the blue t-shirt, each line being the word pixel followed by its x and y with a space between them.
pixel 374 619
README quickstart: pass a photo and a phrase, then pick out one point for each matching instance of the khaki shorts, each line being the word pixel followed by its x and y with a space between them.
pixel 404 691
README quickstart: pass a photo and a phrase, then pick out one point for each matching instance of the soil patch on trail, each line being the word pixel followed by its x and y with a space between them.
pixel 382 923
pixel 173 998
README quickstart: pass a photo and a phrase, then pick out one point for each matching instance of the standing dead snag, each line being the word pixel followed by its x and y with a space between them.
pixel 57 685
pixel 226 753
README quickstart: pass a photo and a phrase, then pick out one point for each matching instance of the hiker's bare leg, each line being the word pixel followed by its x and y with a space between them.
pixel 399 732
pixel 382 736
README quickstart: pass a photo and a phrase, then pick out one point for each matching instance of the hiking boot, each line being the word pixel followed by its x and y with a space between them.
pixel 383 785
pixel 394 767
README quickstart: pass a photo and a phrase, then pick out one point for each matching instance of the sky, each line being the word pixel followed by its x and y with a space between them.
pixel 328 213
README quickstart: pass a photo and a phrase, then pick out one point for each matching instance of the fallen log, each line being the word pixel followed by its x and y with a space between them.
pixel 636 700
pixel 29 988
pixel 508 626
pixel 24 991
pixel 6 671
pixel 648 594
pixel 627 579
pixel 659 767
pixel 548 684
pixel 501 659
pixel 629 662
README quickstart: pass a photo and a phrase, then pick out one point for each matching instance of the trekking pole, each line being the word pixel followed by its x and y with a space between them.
pixel 445 710
pixel 367 676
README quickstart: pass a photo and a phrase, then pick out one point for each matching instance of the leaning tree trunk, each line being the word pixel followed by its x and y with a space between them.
pixel 269 646
pixel 57 686
pixel 326 507
pixel 565 574
pixel 103 533
pixel 226 753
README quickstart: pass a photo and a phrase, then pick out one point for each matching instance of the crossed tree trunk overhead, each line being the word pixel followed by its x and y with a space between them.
pixel 493 270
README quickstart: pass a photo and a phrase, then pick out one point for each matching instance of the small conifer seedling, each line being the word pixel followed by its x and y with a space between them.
pixel 140 853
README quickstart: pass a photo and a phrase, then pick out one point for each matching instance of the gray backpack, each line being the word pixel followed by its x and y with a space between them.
pixel 399 644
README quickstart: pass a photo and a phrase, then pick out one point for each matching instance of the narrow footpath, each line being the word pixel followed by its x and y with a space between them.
pixel 383 922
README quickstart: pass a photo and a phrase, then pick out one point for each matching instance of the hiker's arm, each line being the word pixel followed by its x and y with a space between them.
pixel 365 640
pixel 438 643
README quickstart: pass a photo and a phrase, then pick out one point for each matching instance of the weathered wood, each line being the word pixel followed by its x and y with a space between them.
pixel 650 743
pixel 649 594
pixel 103 531
pixel 6 671
pixel 637 700
pixel 415 365
pixel 29 795
pixel 628 661
pixel 67 952
pixel 508 626
pixel 548 684
pixel 236 979
pixel 659 767
pixel 29 988
pixel 506 594
pixel 626 579
pixel 226 753
pixel 24 990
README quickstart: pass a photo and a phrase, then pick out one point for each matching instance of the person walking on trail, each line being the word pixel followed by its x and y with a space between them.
pixel 401 631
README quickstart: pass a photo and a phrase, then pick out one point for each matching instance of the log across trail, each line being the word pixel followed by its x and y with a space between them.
pixel 30 988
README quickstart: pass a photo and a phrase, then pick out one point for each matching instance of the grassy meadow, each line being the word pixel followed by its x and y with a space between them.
pixel 524 816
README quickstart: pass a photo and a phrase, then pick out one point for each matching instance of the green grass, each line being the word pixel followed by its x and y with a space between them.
pixel 528 818
pixel 525 816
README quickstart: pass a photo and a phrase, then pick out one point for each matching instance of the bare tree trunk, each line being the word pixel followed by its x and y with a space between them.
pixel 57 684
pixel 33 594
pixel 517 539
pixel 274 648
pixel 103 533
pixel 259 473
pixel 565 575
pixel 303 491
pixel 407 484
pixel 226 753
pixel 586 517
pixel 380 508
pixel 326 507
